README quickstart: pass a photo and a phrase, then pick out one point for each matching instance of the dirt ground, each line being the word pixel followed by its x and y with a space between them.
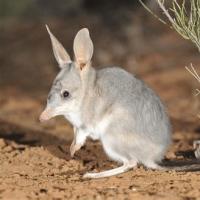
pixel 34 157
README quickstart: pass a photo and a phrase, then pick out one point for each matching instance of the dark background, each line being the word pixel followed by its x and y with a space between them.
pixel 122 32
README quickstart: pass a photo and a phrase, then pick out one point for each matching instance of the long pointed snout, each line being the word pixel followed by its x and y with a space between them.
pixel 46 115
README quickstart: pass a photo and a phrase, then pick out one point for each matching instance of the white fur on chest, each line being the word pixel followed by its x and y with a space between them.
pixel 97 130
pixel 74 118
pixel 94 130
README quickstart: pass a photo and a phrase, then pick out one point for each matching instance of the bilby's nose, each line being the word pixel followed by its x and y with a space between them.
pixel 45 115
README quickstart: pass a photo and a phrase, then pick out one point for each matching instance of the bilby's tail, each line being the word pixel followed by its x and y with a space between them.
pixel 181 166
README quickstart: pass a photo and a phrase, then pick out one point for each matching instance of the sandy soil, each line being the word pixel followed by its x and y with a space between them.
pixel 34 158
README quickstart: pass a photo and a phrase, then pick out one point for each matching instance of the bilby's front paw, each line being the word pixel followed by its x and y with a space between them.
pixel 73 148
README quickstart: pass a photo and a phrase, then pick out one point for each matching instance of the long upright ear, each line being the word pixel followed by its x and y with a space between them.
pixel 60 53
pixel 83 48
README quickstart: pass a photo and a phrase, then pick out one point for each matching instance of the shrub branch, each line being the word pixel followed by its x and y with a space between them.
pixel 186 22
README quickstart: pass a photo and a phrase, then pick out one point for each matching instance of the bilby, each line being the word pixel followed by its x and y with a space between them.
pixel 110 105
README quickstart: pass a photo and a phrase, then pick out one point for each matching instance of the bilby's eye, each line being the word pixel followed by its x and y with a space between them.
pixel 65 94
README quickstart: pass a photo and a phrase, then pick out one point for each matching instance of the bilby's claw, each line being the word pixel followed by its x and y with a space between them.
pixel 73 148
pixel 72 152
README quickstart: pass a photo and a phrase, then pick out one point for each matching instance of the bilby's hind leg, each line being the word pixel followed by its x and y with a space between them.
pixel 119 170
pixel 153 165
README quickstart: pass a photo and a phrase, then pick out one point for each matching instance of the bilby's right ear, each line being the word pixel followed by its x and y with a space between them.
pixel 60 53
pixel 83 48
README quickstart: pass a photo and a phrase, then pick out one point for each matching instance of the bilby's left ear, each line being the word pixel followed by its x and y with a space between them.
pixel 83 48
pixel 60 53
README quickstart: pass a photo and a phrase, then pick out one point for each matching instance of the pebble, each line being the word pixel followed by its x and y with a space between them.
pixel 8 149
pixel 2 143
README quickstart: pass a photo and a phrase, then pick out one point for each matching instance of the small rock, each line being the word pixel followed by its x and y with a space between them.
pixel 8 149
pixel 2 143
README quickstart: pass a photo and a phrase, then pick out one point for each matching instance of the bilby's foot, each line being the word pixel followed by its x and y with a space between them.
pixel 153 165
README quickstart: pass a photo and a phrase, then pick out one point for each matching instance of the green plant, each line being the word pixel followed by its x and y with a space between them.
pixel 194 73
pixel 186 22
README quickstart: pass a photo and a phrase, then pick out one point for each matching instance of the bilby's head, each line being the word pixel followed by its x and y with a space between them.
pixel 65 93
